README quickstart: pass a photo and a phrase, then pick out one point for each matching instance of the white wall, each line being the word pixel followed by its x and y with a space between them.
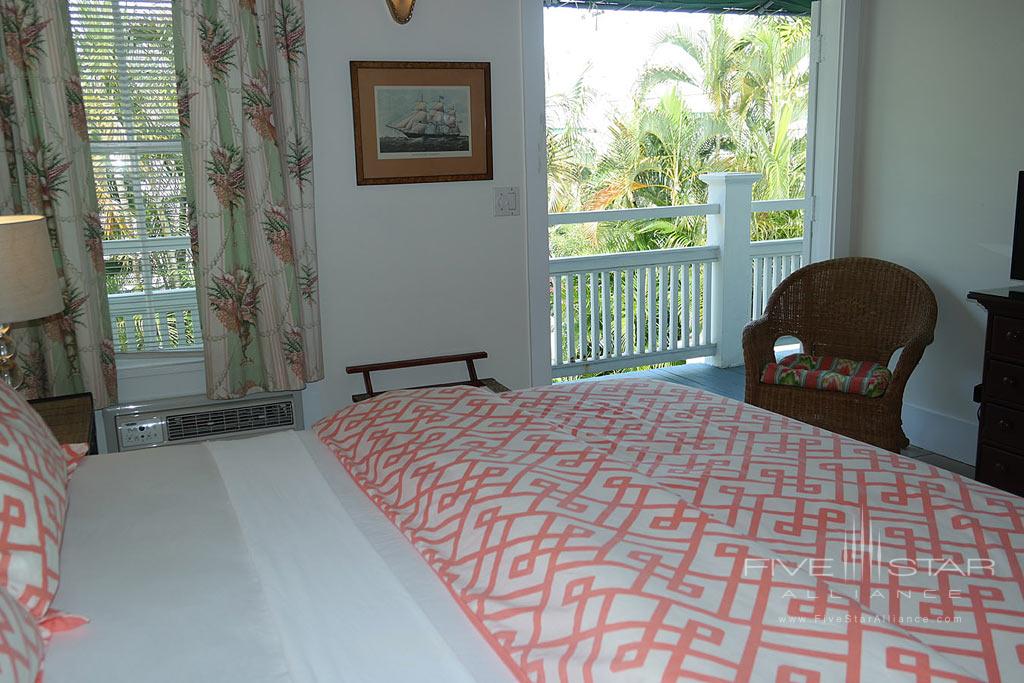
pixel 406 270
pixel 416 270
pixel 941 141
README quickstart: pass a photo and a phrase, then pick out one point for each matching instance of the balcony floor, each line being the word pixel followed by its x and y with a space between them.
pixel 729 382
pixel 726 382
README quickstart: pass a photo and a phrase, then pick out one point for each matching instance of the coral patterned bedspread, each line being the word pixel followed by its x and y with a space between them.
pixel 642 531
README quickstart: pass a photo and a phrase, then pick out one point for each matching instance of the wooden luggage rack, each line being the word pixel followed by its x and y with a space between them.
pixel 468 358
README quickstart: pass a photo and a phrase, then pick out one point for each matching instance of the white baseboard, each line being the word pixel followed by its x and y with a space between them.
pixel 943 434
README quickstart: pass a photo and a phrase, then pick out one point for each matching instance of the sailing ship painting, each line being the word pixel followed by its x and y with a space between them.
pixel 423 122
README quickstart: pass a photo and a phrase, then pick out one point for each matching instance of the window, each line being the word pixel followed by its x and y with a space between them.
pixel 128 92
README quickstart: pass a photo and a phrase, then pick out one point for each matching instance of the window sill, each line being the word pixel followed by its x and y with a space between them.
pixel 151 376
pixel 134 365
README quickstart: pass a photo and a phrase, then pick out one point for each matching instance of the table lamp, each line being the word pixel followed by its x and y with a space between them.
pixel 29 287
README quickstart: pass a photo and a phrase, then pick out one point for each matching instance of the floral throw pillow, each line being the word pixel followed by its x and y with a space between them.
pixel 829 373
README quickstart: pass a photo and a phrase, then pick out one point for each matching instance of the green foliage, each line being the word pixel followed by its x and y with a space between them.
pixel 570 151
pixel 615 373
pixel 756 84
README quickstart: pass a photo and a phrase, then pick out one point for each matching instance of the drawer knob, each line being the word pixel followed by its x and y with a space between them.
pixel 1009 381
pixel 999 466
pixel 1005 424
pixel 1015 336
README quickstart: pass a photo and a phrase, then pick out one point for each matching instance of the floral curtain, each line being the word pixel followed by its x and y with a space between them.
pixel 49 173
pixel 243 100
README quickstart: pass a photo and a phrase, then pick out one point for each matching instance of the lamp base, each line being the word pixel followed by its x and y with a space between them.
pixel 10 373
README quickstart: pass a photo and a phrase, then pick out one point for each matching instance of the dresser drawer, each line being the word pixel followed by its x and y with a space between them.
pixel 1008 337
pixel 1005 381
pixel 1003 426
pixel 1001 469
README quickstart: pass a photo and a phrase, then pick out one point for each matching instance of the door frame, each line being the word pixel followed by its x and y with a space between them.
pixel 832 119
pixel 536 191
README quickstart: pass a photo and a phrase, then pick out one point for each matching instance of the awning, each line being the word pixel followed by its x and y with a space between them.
pixel 791 7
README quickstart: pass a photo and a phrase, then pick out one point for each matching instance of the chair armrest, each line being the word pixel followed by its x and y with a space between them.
pixel 909 358
pixel 759 344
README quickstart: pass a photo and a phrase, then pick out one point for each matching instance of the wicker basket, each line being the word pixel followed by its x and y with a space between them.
pixel 858 308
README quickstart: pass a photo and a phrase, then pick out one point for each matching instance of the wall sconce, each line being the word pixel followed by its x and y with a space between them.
pixel 401 10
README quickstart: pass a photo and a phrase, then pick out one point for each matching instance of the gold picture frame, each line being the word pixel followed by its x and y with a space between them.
pixel 422 122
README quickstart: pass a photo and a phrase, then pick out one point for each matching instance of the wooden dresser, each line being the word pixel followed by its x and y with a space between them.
pixel 1001 392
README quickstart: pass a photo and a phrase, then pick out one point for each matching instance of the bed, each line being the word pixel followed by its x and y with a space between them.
pixel 248 561
pixel 613 530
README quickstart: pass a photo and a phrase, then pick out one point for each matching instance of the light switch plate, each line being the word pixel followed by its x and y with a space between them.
pixel 506 201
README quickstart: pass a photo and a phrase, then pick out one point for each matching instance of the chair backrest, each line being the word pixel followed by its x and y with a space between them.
pixel 860 308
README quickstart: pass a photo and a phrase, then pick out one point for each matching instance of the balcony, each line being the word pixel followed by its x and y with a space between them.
pixel 152 318
pixel 159 320
pixel 618 311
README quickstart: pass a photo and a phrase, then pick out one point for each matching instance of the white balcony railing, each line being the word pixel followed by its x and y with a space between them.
pixel 622 310
pixel 161 320
pixel 774 261
pixel 616 311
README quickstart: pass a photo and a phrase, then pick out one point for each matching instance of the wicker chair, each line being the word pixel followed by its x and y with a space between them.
pixel 857 308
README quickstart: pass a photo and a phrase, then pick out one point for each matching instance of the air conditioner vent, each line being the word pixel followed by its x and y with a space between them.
pixel 197 418
pixel 244 418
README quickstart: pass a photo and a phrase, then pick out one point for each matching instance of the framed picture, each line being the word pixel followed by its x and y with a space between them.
pixel 422 122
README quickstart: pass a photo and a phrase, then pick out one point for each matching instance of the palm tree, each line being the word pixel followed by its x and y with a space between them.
pixel 756 85
pixel 570 150
pixel 571 155
pixel 717 59
pixel 655 158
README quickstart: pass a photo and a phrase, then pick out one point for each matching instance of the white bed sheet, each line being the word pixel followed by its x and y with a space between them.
pixel 252 560
pixel 406 565
pixel 154 557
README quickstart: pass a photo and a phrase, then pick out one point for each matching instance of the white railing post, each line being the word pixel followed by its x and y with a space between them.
pixel 731 292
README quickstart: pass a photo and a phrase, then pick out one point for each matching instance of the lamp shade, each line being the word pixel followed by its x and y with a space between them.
pixel 29 287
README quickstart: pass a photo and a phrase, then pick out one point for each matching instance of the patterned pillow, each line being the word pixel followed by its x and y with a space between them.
pixel 829 373
pixel 21 644
pixel 74 453
pixel 33 500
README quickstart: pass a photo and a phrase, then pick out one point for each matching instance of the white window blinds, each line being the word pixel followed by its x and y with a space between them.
pixel 126 58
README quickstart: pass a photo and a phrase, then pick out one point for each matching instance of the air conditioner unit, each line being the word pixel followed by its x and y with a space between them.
pixel 197 418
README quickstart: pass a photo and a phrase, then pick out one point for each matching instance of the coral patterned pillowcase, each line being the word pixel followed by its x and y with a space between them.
pixel 74 453
pixel 33 501
pixel 21 644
